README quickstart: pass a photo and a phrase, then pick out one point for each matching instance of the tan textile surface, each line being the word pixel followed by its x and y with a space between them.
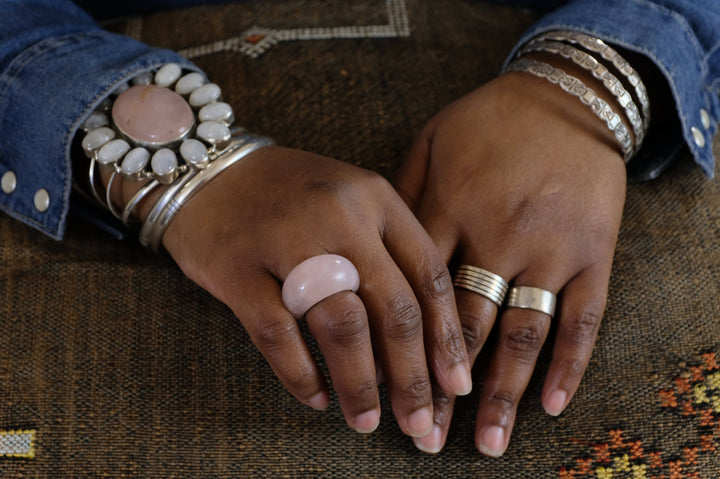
pixel 124 368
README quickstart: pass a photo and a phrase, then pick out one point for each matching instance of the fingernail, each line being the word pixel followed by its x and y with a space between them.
pixel 461 380
pixel 420 422
pixel 367 422
pixel 492 441
pixel 556 402
pixel 431 443
pixel 320 401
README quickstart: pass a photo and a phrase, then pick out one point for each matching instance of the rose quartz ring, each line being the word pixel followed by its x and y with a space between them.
pixel 317 278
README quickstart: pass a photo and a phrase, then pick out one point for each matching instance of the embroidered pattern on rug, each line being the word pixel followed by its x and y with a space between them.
pixel 256 40
pixel 17 444
pixel 696 395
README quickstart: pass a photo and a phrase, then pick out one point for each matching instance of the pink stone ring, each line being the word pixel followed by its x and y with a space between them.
pixel 318 278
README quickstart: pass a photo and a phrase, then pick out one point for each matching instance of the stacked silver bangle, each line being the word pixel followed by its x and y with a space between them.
pixel 580 49
pixel 168 127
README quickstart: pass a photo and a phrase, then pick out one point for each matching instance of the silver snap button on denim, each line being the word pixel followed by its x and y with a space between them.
pixel 698 137
pixel 42 200
pixel 8 183
pixel 705 119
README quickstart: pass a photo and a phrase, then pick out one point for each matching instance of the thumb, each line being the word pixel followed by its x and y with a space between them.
pixel 411 177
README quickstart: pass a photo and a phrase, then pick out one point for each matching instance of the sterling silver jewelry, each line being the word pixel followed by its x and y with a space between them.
pixel 599 71
pixel 136 199
pixel 528 297
pixel 154 228
pixel 482 282
pixel 587 95
pixel 596 45
pixel 123 135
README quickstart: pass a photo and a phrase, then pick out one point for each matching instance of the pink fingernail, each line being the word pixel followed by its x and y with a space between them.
pixel 431 443
pixel 367 422
pixel 461 380
pixel 320 401
pixel 556 402
pixel 492 441
pixel 420 422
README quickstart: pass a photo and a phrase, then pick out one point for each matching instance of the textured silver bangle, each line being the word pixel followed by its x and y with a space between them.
pixel 599 71
pixel 587 95
pixel 146 232
pixel 596 45
pixel 240 147
pixel 136 199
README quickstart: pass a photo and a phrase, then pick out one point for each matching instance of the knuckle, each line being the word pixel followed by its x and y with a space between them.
pixel 438 283
pixel 503 400
pixel 299 380
pixel 526 339
pixel 274 335
pixel 473 331
pixel 418 389
pixel 453 346
pixel 347 327
pixel 363 393
pixel 573 368
pixel 403 321
pixel 582 327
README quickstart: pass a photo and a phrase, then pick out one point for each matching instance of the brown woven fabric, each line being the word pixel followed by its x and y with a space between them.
pixel 127 369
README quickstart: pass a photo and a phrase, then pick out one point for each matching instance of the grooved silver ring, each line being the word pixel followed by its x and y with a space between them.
pixel 482 282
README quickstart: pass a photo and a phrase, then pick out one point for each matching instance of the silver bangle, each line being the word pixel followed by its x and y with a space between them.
pixel 108 195
pixel 243 146
pixel 599 71
pixel 587 95
pixel 146 232
pixel 596 45
pixel 136 199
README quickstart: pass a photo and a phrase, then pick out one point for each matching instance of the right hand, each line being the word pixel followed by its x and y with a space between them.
pixel 242 234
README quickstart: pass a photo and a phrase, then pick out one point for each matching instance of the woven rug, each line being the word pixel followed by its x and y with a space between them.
pixel 112 364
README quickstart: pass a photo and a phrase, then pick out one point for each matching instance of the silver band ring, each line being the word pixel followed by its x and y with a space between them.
pixel 482 282
pixel 528 297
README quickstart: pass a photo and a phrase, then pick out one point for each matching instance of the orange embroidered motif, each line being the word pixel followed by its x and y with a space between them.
pixel 695 395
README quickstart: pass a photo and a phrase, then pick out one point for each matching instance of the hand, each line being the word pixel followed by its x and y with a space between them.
pixel 242 234
pixel 521 179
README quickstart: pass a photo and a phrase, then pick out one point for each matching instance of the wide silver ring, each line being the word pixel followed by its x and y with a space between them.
pixel 528 297
pixel 482 282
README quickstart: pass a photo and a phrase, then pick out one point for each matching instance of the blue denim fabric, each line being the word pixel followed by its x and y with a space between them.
pixel 56 66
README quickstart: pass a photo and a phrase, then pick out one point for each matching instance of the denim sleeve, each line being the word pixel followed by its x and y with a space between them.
pixel 56 66
pixel 681 37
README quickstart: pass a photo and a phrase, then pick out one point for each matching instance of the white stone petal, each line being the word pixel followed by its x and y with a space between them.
pixel 194 152
pixel 168 74
pixel 95 120
pixel 221 112
pixel 164 162
pixel 112 151
pixel 123 87
pixel 135 161
pixel 189 82
pixel 97 138
pixel 205 94
pixel 213 132
pixel 144 78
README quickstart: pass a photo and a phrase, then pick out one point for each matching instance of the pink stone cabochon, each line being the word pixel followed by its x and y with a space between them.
pixel 317 278
pixel 152 115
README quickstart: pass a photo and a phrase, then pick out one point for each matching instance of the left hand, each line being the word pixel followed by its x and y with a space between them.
pixel 521 179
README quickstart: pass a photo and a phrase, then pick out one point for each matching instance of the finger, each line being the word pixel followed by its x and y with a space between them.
pixel 340 325
pixel 277 336
pixel 397 331
pixel 582 307
pixel 434 441
pixel 410 179
pixel 431 282
pixel 521 335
